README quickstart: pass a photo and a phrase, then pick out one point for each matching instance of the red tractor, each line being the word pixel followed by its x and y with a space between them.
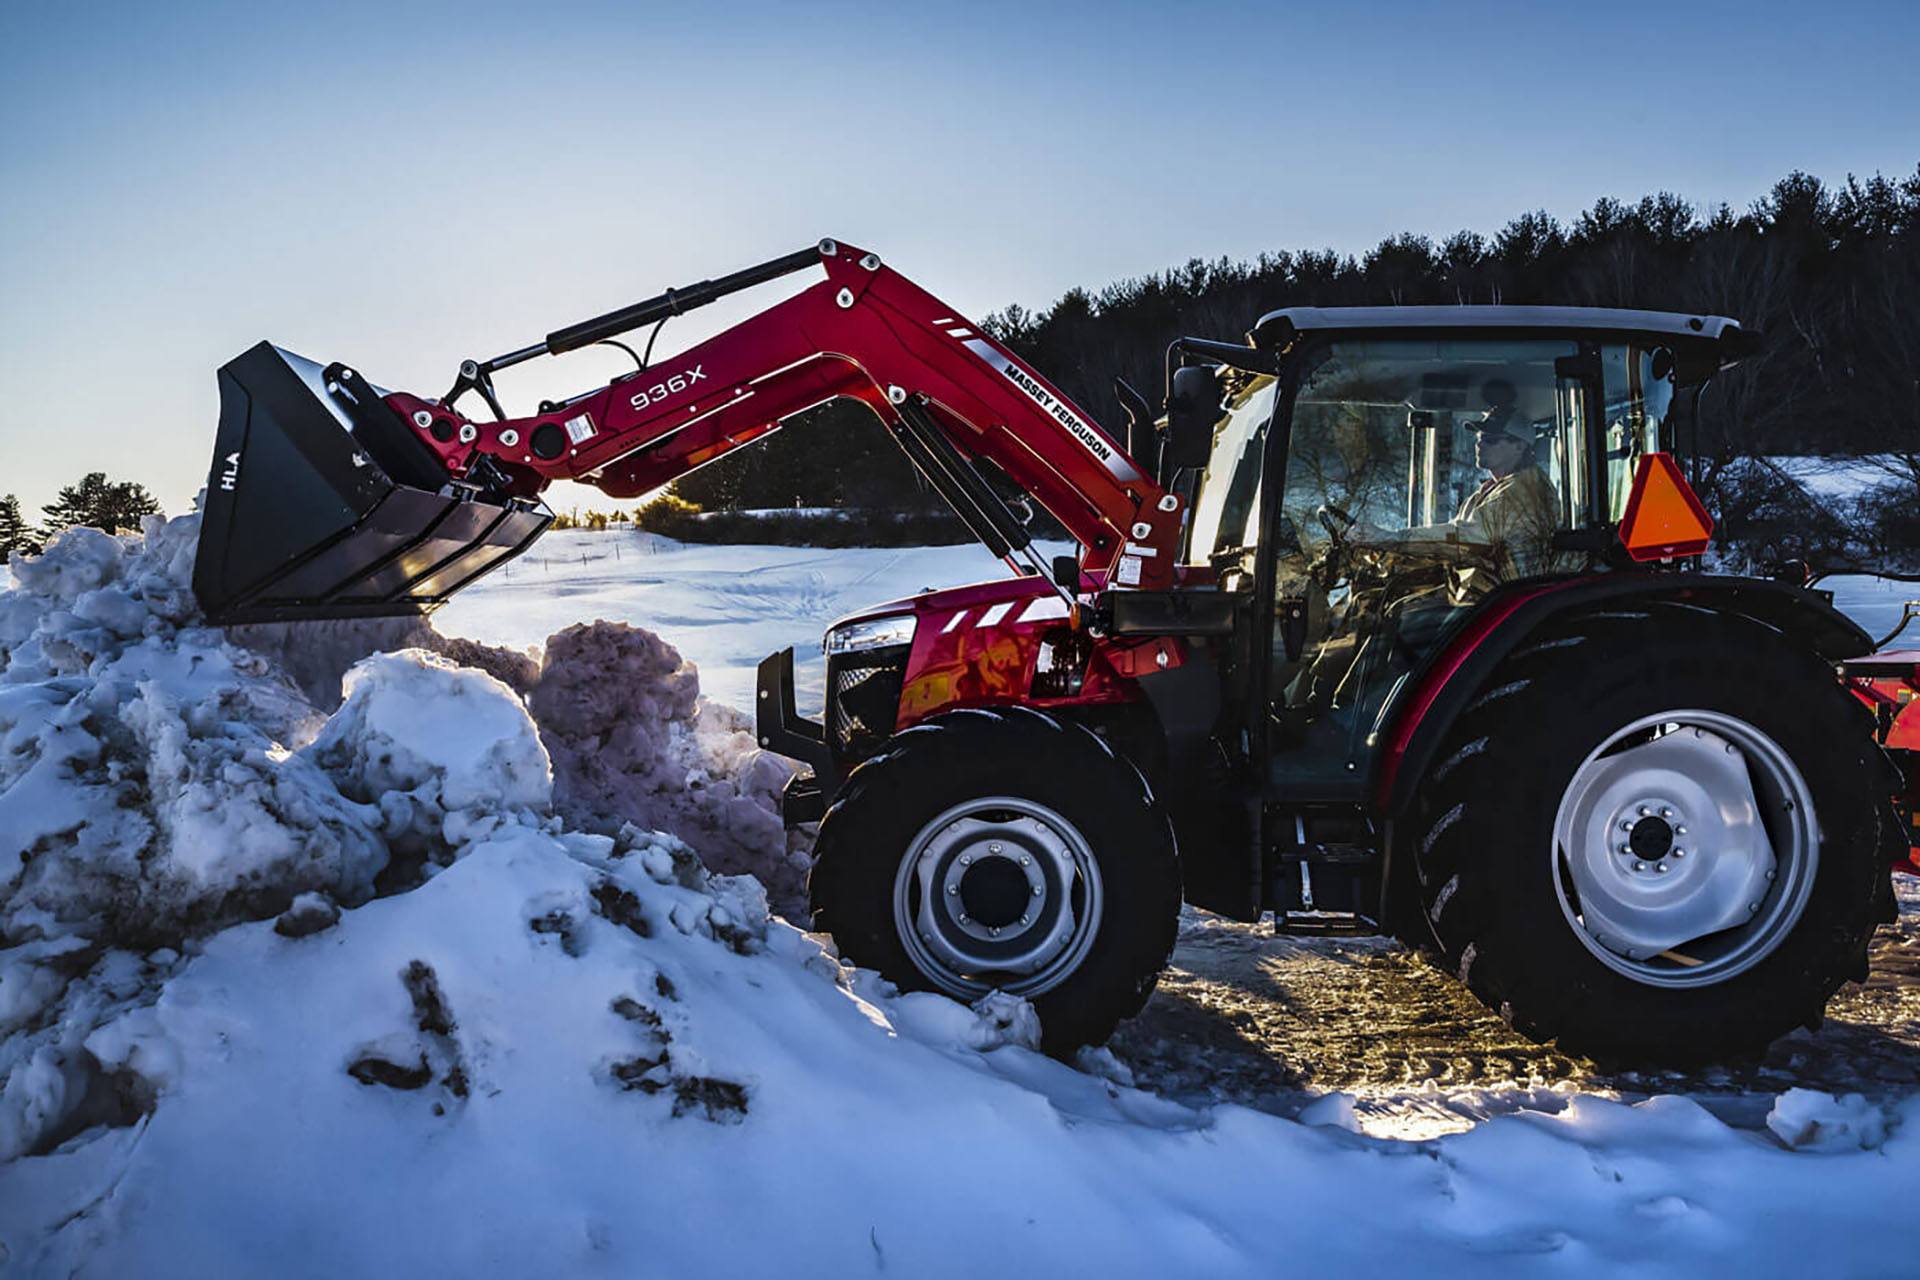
pixel 1393 623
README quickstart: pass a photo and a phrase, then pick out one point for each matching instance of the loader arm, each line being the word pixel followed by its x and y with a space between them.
pixel 945 391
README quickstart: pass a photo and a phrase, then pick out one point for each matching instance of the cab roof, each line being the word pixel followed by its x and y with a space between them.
pixel 1277 329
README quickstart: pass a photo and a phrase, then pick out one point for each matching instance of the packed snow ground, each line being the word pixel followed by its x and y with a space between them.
pixel 292 989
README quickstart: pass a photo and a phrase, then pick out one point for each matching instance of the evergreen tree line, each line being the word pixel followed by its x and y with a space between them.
pixel 1829 273
pixel 113 505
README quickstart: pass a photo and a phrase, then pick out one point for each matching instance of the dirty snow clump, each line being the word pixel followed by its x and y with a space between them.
pixel 632 740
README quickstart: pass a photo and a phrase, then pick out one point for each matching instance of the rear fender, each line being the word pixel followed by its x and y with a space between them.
pixel 1446 683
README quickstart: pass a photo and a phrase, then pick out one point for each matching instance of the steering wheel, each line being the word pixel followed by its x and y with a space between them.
pixel 1335 520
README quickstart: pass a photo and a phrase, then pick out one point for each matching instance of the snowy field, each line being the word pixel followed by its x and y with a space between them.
pixel 287 988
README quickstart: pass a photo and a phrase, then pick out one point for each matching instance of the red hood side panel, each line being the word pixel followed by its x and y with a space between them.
pixel 978 646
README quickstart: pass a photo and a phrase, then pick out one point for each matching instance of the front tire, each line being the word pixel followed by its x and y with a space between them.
pixel 1003 850
pixel 1657 836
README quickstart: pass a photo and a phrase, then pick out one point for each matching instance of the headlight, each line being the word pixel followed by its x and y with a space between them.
pixel 875 633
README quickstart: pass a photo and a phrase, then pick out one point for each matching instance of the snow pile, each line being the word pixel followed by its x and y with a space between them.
pixel 149 796
pixel 632 740
pixel 146 791
pixel 560 1054
pixel 93 594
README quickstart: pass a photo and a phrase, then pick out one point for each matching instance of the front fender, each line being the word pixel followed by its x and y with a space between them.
pixel 1446 682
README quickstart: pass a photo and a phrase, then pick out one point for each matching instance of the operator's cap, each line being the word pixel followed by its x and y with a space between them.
pixel 1504 420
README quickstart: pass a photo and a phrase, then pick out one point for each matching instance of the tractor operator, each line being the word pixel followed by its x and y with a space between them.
pixel 1504 528
pixel 1515 509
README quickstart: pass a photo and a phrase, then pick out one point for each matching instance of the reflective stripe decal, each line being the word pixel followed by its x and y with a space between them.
pixel 1045 609
pixel 954 621
pixel 993 615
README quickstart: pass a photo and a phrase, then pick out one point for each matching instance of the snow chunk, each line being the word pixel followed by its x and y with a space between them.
pixel 997 1020
pixel 1809 1120
pixel 415 722
pixel 1334 1110
pixel 309 914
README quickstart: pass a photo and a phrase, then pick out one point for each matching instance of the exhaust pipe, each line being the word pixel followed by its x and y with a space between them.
pixel 321 503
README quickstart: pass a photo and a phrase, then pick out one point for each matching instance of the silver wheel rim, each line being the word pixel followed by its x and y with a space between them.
pixel 1685 848
pixel 997 894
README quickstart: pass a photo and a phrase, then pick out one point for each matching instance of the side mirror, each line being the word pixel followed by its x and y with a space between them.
pixel 1193 409
pixel 1066 573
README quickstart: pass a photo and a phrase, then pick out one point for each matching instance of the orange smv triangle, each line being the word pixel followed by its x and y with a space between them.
pixel 1663 519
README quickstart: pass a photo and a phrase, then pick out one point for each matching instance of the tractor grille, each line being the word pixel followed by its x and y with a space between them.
pixel 863 697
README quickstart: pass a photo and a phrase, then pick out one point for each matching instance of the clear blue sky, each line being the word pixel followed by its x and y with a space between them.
pixel 399 185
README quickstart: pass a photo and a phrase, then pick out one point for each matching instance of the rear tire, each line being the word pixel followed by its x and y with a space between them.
pixel 1527 808
pixel 1069 872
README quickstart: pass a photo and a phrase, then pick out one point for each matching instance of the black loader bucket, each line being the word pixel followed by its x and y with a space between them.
pixel 321 504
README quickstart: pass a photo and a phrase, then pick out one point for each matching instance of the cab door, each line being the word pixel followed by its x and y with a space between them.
pixel 1420 473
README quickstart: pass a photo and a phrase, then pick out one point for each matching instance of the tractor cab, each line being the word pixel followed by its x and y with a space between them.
pixel 1375 477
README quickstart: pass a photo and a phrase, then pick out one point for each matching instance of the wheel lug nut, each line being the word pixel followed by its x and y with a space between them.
pixel 1644 811
pixel 994 932
pixel 953 889
pixel 966 859
pixel 1025 860
pixel 1753 908
pixel 1770 875
pixel 1639 865
pixel 1626 824
pixel 1023 919
pixel 1679 831
pixel 1036 891
pixel 1666 813
pixel 1661 867
pixel 993 848
pixel 1626 848
pixel 1679 853
pixel 963 917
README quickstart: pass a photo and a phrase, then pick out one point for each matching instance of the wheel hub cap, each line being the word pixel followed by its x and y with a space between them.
pixel 998 893
pixel 1685 848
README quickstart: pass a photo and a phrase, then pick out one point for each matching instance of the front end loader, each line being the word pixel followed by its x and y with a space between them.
pixel 1395 622
pixel 323 504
